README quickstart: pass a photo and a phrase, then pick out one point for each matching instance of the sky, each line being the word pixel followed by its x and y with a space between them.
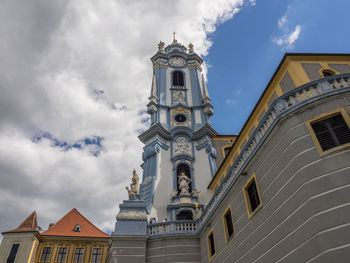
pixel 75 77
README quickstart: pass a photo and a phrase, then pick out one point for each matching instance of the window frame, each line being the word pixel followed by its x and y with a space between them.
pixel 92 254
pixel 250 180
pixel 42 251
pixel 9 252
pixel 58 253
pixel 322 117
pixel 224 221
pixel 82 257
pixel 210 254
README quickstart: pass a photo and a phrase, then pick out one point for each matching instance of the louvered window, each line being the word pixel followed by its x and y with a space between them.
pixel 331 132
pixel 178 79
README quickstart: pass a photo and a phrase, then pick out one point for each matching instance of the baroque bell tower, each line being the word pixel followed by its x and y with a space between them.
pixel 178 156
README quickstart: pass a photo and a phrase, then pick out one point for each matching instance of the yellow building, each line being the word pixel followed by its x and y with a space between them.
pixel 73 239
pixel 295 70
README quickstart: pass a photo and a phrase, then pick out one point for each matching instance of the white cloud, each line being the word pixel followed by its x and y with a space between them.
pixel 288 39
pixel 75 70
pixel 230 101
pixel 282 21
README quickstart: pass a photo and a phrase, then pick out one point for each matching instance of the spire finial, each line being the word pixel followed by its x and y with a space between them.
pixel 174 41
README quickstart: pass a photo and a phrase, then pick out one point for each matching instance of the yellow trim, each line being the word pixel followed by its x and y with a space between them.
pixel 226 146
pixel 210 257
pixel 322 117
pixel 246 197
pixel 292 64
pixel 325 67
pixel 228 210
pixel 30 258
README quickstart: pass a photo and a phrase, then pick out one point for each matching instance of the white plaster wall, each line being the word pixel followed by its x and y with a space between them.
pixel 162 116
pixel 163 186
pixel 189 87
pixel 197 116
pixel 168 85
pixel 27 248
pixel 202 175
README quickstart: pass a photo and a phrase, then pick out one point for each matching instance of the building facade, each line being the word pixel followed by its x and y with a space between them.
pixel 73 238
pixel 281 189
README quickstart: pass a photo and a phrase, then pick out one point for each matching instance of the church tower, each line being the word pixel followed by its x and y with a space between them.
pixel 178 157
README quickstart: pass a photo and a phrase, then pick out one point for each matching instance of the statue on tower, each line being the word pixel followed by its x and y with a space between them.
pixel 134 186
pixel 184 184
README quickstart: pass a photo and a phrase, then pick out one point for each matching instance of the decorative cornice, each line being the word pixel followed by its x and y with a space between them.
pixel 156 129
pixel 205 130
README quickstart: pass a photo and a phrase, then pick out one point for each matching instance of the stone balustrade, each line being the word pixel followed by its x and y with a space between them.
pixel 172 227
pixel 281 106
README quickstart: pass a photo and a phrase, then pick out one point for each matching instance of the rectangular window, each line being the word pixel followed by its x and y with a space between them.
pixel 13 253
pixel 331 131
pixel 45 256
pixel 252 196
pixel 228 223
pixel 62 254
pixel 211 244
pixel 78 256
pixel 96 255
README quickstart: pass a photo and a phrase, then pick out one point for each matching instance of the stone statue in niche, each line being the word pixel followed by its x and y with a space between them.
pixel 134 186
pixel 184 184
pixel 181 145
pixel 178 96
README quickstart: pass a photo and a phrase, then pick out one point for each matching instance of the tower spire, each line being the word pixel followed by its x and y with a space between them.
pixel 206 98
pixel 153 97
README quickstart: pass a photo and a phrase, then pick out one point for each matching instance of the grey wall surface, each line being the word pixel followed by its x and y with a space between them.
pixel 305 213
pixel 286 84
pixel 311 70
pixel 173 249
pixel 127 249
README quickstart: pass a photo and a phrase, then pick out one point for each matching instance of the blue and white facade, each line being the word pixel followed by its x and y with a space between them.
pixel 179 138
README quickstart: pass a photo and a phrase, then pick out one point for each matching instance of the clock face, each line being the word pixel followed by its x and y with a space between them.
pixel 177 62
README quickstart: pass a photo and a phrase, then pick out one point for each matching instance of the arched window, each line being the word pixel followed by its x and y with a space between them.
pixel 178 78
pixel 327 72
pixel 185 215
pixel 183 169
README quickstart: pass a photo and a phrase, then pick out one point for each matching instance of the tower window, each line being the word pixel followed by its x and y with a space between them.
pixel 211 244
pixel 13 253
pixel 228 224
pixel 45 256
pixel 78 256
pixel 185 215
pixel 180 118
pixel 252 196
pixel 183 169
pixel 331 132
pixel 62 254
pixel 178 78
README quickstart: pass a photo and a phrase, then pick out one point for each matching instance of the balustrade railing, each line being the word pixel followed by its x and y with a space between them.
pixel 172 227
pixel 287 102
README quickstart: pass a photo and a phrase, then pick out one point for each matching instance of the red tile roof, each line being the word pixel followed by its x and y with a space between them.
pixel 30 224
pixel 65 227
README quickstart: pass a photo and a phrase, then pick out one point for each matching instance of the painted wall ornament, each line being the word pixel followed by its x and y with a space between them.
pixel 182 146
pixel 184 184
pixel 134 186
pixel 177 62
pixel 178 96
